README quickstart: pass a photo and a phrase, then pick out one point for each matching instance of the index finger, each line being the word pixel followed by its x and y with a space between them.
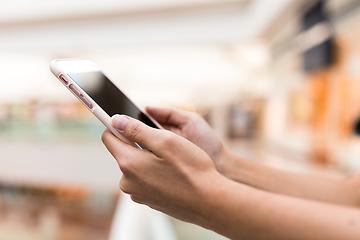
pixel 168 116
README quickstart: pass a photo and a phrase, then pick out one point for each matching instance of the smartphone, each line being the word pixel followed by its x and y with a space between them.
pixel 84 79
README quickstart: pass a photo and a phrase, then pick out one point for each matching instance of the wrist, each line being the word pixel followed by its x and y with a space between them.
pixel 234 167
pixel 226 163
pixel 221 160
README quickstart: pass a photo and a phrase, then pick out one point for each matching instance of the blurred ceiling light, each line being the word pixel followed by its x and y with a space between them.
pixel 39 25
pixel 160 74
pixel 250 56
pixel 24 10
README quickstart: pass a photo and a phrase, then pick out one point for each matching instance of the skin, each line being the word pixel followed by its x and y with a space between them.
pixel 187 173
pixel 194 128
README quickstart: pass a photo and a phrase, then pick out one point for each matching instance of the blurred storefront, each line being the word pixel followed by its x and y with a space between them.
pixel 315 64
pixel 55 212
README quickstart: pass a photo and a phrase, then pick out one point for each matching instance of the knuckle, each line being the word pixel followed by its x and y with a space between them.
pixel 196 116
pixel 134 131
pixel 124 185
pixel 105 135
pixel 125 166
pixel 167 139
pixel 136 199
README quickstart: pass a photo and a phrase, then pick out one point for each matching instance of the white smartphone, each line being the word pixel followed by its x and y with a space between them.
pixel 98 93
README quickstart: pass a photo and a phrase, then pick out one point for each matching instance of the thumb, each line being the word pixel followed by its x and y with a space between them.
pixel 135 130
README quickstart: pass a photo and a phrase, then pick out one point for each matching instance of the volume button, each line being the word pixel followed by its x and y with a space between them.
pixel 74 90
pixel 87 102
pixel 62 78
pixel 81 96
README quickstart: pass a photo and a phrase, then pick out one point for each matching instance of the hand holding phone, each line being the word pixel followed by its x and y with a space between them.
pixel 84 79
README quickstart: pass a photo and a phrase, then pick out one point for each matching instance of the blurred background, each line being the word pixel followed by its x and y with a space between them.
pixel 277 80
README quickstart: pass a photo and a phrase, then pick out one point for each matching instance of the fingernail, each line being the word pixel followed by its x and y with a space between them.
pixel 119 122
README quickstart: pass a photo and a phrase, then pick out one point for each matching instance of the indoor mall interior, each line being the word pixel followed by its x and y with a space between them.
pixel 276 84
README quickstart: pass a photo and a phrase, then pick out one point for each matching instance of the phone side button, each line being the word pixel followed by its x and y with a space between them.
pixel 81 96
pixel 62 78
pixel 86 102
pixel 74 90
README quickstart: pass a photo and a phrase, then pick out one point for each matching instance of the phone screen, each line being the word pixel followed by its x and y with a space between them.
pixel 108 96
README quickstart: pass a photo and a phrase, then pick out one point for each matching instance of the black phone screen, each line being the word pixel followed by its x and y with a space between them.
pixel 108 96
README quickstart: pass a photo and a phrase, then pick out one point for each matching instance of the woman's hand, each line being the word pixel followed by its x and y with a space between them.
pixel 178 178
pixel 192 127
pixel 171 176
